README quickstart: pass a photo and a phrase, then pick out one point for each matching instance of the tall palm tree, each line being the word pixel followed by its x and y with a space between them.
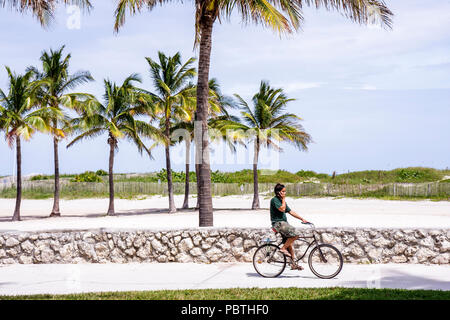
pixel 116 118
pixel 20 121
pixel 270 123
pixel 54 81
pixel 282 16
pixel 43 10
pixel 173 97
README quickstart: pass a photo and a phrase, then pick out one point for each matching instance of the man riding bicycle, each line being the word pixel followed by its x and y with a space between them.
pixel 278 209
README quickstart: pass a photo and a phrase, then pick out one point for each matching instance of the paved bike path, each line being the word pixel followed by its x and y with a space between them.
pixel 76 278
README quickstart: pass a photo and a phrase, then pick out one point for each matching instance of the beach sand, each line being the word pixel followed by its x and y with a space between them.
pixel 229 211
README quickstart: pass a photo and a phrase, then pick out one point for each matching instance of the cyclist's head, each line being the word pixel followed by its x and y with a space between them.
pixel 278 188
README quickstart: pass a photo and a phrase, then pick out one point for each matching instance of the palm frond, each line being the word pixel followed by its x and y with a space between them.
pixel 89 134
pixel 269 122
pixel 360 11
pixel 75 80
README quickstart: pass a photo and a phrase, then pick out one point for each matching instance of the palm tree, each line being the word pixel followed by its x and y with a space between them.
pixel 19 121
pixel 116 118
pixel 43 10
pixel 218 111
pixel 54 82
pixel 281 16
pixel 183 131
pixel 270 123
pixel 172 98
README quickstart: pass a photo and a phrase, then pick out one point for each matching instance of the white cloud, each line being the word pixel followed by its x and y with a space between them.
pixel 295 86
pixel 368 87
pixel 363 87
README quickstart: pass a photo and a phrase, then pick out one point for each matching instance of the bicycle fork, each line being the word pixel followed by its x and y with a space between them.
pixel 322 257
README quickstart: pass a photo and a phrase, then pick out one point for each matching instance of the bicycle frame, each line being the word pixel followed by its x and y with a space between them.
pixel 303 238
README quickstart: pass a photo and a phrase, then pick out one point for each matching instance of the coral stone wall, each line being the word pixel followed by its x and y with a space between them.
pixel 209 245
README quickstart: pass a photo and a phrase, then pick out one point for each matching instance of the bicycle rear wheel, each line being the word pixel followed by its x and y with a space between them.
pixel 325 261
pixel 269 261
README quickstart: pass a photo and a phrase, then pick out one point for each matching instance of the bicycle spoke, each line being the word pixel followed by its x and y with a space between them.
pixel 269 261
pixel 325 261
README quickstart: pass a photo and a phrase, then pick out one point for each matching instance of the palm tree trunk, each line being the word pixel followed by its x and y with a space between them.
pixel 172 208
pixel 55 211
pixel 197 171
pixel 112 144
pixel 255 204
pixel 197 167
pixel 186 181
pixel 201 115
pixel 16 215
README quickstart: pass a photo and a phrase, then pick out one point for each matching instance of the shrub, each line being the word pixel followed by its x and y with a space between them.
pixel 221 177
pixel 40 177
pixel 101 172
pixel 306 174
pixel 176 176
pixel 87 176
pixel 416 175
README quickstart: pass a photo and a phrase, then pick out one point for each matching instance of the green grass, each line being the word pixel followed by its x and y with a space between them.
pixel 10 193
pixel 39 194
pixel 80 193
pixel 253 294
pixel 177 176
pixel 372 177
pixel 400 175
pixel 41 177
pixel 404 198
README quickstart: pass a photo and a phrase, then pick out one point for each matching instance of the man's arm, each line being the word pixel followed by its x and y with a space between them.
pixel 283 205
pixel 296 215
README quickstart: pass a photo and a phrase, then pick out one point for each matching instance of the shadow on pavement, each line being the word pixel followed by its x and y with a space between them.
pixel 402 280
pixel 3 284
pixel 255 275
pixel 122 213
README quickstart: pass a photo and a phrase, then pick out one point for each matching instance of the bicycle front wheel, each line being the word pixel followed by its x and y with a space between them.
pixel 325 261
pixel 269 261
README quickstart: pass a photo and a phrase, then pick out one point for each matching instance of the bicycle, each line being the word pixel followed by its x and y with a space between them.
pixel 325 260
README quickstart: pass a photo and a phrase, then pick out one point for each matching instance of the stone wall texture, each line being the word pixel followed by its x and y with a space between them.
pixel 209 245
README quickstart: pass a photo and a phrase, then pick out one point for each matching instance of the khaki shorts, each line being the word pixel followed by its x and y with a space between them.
pixel 285 229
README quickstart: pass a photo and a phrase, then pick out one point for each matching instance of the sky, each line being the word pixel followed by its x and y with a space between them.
pixel 371 98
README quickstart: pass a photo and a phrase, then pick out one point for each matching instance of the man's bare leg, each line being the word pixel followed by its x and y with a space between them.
pixel 290 249
pixel 287 248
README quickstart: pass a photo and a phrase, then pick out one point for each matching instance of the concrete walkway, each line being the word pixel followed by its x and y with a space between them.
pixel 66 278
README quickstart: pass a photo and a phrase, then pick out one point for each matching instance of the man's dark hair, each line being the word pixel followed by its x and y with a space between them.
pixel 278 188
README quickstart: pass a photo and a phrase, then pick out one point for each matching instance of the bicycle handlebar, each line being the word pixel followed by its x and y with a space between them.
pixel 310 224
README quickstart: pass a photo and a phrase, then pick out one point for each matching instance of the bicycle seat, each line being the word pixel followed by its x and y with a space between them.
pixel 283 238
